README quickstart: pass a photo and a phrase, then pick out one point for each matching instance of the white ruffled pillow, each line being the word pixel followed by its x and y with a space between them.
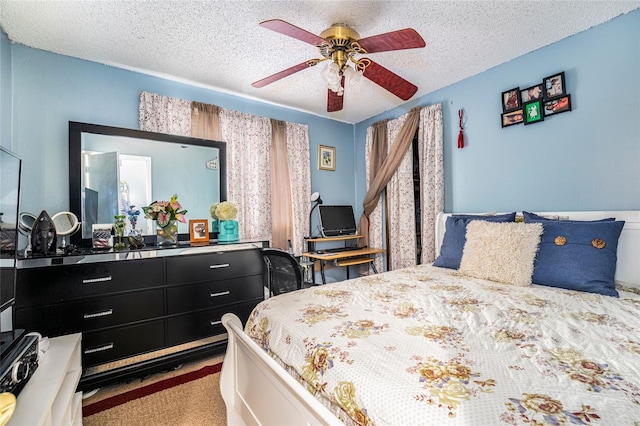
pixel 501 251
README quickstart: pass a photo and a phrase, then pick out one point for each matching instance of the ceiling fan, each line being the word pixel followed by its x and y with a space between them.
pixel 340 45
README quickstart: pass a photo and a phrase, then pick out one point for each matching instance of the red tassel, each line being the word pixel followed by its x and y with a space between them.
pixel 460 135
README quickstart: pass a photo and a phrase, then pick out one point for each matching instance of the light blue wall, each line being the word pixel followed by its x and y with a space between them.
pixel 5 92
pixel 586 159
pixel 49 90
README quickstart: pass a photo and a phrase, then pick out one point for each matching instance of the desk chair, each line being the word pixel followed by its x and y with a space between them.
pixel 283 272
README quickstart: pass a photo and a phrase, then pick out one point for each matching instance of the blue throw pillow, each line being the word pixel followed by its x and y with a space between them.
pixel 454 236
pixel 578 255
pixel 532 217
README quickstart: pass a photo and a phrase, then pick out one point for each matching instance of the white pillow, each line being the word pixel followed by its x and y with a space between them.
pixel 501 251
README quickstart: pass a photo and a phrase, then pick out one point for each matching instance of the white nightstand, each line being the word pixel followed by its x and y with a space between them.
pixel 50 397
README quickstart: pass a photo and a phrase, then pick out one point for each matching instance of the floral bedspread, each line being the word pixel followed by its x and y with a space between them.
pixel 425 345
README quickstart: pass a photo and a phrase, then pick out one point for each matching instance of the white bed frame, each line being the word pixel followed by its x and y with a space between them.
pixel 258 391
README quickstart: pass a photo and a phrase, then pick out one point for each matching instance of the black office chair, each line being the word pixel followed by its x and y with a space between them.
pixel 283 272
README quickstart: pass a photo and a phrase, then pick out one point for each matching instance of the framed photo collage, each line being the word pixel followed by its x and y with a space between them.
pixel 532 104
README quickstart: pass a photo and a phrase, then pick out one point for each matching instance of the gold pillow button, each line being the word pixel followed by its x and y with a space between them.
pixel 598 243
pixel 560 240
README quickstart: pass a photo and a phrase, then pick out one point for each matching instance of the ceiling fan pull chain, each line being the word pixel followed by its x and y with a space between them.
pixel 460 135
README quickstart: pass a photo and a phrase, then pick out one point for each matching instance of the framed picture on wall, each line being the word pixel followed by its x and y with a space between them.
pixel 513 117
pixel 326 158
pixel 554 86
pixel 533 112
pixel 199 230
pixel 531 93
pixel 557 106
pixel 511 100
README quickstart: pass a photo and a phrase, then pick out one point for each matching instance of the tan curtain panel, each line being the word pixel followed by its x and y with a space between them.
pixel 281 209
pixel 378 148
pixel 205 121
pixel 388 168
pixel 376 152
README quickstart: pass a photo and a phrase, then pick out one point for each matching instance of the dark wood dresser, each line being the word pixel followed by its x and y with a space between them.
pixel 143 311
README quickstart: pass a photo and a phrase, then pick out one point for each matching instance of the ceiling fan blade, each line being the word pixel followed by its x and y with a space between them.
pixel 282 27
pixel 387 80
pixel 285 73
pixel 394 40
pixel 334 100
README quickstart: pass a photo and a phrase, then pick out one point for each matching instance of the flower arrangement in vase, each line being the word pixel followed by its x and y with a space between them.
pixel 226 212
pixel 166 213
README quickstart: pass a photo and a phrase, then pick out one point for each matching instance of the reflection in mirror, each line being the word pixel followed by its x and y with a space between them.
pixel 116 171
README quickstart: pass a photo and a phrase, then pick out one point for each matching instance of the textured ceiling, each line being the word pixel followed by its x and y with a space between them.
pixel 219 45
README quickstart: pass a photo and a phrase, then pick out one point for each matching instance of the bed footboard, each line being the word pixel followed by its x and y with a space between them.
pixel 257 391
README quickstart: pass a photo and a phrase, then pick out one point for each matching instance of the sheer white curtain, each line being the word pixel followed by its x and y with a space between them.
pixel 300 177
pixel 430 148
pixel 163 114
pixel 400 206
pixel 248 139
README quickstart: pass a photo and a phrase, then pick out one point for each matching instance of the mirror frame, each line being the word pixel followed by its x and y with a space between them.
pixel 76 129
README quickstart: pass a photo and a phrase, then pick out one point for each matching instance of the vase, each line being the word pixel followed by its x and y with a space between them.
pixel 228 231
pixel 118 227
pixel 215 226
pixel 167 235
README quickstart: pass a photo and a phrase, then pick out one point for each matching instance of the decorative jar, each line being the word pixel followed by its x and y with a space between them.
pixel 167 235
pixel 228 231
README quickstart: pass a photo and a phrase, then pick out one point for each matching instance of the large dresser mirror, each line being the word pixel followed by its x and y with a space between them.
pixel 116 171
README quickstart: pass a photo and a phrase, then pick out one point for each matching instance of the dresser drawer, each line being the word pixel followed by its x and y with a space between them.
pixel 59 283
pixel 198 325
pixel 213 294
pixel 92 314
pixel 213 266
pixel 99 347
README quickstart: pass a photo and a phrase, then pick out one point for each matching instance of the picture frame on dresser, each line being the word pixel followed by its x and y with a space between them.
pixel 198 231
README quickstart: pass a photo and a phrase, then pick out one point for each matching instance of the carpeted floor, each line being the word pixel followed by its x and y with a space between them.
pixel 187 396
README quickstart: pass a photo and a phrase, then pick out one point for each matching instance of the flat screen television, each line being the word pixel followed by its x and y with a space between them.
pixel 337 220
pixel 10 167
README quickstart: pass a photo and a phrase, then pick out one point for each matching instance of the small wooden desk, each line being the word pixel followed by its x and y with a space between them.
pixel 344 258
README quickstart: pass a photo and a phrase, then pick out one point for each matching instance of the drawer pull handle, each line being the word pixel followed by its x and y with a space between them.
pixel 216 322
pixel 221 265
pixel 99 349
pixel 98 314
pixel 96 280
pixel 222 293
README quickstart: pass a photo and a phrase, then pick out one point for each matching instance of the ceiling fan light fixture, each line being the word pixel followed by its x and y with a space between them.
pixel 352 77
pixel 331 74
pixel 336 87
pixel 340 45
